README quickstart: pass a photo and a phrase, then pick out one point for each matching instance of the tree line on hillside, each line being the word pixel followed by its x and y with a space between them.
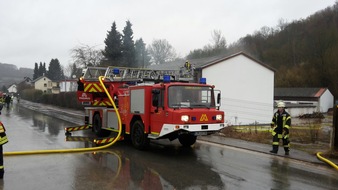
pixel 9 70
pixel 303 52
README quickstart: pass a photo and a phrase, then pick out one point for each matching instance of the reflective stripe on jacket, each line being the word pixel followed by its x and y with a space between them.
pixel 281 123
pixel 3 136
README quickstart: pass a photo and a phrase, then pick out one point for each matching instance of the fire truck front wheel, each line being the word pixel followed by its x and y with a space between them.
pixel 187 139
pixel 138 137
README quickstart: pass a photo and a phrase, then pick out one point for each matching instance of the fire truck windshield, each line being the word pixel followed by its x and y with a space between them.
pixel 191 97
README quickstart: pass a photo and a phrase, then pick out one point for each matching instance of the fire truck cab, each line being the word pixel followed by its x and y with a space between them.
pixel 150 105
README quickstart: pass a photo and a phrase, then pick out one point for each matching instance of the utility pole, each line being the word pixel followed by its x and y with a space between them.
pixel 334 138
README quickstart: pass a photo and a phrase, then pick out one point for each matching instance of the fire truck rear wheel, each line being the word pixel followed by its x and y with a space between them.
pixel 187 139
pixel 138 137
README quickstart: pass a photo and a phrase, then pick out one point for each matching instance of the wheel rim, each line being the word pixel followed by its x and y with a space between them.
pixel 139 138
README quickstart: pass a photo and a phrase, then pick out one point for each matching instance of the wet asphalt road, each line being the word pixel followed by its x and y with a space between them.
pixel 166 165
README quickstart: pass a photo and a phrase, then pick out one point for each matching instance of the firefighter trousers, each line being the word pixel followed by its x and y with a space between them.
pixel 2 171
pixel 275 143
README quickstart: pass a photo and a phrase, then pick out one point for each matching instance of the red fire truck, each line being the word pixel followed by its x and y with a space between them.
pixel 151 104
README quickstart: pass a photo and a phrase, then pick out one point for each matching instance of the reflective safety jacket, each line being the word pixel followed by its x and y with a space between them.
pixel 281 123
pixel 3 137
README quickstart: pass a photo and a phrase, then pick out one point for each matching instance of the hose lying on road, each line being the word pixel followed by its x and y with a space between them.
pixel 77 149
pixel 326 160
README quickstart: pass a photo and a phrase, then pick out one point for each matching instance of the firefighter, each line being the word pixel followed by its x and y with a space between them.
pixel 3 140
pixel 2 99
pixel 280 125
pixel 187 65
pixel 1 103
pixel 7 100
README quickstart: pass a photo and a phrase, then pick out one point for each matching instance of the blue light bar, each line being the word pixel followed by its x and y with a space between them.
pixel 166 78
pixel 116 71
pixel 203 81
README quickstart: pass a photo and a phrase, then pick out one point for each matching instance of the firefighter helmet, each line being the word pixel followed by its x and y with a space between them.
pixel 281 104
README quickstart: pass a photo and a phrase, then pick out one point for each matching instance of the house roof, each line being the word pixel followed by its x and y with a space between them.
pixel 220 59
pixel 298 93
pixel 205 62
pixel 40 78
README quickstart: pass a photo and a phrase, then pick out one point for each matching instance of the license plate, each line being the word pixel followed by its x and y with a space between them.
pixel 201 133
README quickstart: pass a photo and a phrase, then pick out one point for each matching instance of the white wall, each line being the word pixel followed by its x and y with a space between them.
pixel 12 89
pixel 326 101
pixel 295 112
pixel 68 86
pixel 247 89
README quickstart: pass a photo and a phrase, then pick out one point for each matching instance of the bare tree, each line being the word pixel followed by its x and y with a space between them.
pixel 85 55
pixel 161 51
pixel 218 40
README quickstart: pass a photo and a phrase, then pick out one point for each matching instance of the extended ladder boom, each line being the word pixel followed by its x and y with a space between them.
pixel 127 74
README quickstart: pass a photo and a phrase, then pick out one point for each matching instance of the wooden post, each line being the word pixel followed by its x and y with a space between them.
pixel 334 139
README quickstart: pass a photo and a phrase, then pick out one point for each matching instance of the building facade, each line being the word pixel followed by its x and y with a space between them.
pixel 247 88
pixel 46 85
pixel 302 101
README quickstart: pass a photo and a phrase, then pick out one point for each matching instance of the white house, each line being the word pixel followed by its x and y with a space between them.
pixel 46 85
pixel 301 101
pixel 247 86
pixel 12 89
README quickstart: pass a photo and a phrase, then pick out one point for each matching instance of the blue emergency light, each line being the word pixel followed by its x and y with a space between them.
pixel 116 71
pixel 166 78
pixel 203 81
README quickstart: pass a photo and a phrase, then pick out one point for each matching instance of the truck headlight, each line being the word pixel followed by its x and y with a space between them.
pixel 185 118
pixel 219 117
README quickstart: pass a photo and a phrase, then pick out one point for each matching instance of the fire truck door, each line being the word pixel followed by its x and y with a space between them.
pixel 157 112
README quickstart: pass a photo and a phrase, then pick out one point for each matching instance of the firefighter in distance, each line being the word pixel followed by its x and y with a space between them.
pixel 281 122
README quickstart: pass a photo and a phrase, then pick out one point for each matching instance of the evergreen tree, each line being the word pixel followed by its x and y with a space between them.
pixel 128 48
pixel 113 49
pixel 55 72
pixel 142 57
pixel 42 69
pixel 36 71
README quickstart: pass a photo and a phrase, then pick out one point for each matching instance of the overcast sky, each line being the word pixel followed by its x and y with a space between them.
pixel 40 30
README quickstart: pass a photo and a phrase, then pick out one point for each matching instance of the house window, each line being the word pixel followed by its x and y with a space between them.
pixel 45 85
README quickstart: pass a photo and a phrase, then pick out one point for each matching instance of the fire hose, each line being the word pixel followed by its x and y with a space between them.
pixel 77 149
pixel 326 160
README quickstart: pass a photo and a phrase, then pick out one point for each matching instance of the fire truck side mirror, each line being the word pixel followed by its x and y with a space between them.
pixel 156 93
pixel 218 98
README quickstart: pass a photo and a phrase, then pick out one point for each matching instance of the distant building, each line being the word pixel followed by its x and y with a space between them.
pixel 12 89
pixel 26 81
pixel 301 101
pixel 69 85
pixel 46 85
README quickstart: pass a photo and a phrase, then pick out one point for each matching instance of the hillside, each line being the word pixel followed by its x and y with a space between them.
pixel 10 74
pixel 304 52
